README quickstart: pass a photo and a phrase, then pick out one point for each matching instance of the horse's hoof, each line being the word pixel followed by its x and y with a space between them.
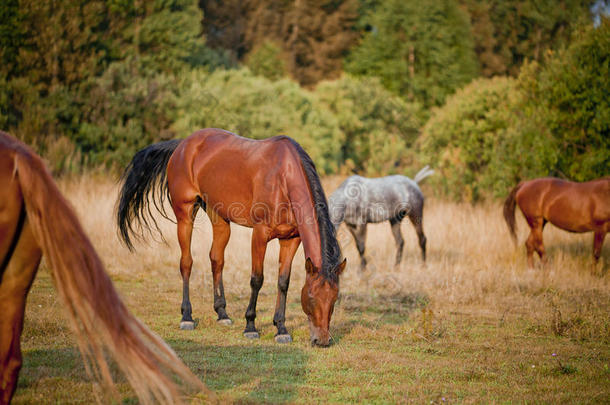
pixel 286 338
pixel 225 322
pixel 187 325
pixel 252 335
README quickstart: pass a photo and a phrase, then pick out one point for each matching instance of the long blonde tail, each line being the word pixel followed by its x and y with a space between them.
pixel 97 315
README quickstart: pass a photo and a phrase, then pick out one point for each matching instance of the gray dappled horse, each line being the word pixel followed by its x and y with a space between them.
pixel 359 201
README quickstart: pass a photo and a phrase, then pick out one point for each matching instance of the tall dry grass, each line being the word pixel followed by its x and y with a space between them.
pixel 471 259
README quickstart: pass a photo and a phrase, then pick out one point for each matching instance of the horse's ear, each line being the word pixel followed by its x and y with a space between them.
pixel 341 267
pixel 309 267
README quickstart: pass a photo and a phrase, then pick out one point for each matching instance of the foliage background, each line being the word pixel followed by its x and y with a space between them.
pixel 487 92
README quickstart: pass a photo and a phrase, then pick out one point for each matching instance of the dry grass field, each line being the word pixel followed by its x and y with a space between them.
pixel 472 326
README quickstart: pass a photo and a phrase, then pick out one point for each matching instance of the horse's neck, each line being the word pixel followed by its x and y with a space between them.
pixel 307 224
pixel 303 208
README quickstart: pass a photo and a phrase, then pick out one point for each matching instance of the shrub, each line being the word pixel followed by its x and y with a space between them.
pixel 459 139
pixel 378 127
pixel 256 107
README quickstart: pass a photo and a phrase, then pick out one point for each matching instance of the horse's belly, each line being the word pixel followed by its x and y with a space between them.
pixel 571 227
pixel 569 218
pixel 378 214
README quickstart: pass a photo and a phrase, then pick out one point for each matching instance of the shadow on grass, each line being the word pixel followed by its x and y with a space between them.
pixel 252 373
pixel 373 309
pixel 52 363
pixel 578 247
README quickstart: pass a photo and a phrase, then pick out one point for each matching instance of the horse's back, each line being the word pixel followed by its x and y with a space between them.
pixel 225 148
pixel 233 173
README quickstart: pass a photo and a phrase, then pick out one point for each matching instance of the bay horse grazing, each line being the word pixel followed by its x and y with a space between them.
pixel 268 185
pixel 574 207
pixel 359 201
pixel 36 220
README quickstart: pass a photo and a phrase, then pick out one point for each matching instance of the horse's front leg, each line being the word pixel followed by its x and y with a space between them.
pixel 259 247
pixel 288 248
pixel 400 243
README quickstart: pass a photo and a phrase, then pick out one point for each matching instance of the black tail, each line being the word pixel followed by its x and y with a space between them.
pixel 509 212
pixel 145 175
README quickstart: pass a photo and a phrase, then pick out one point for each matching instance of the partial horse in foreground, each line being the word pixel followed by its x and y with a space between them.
pixel 268 185
pixel 359 201
pixel 574 207
pixel 36 220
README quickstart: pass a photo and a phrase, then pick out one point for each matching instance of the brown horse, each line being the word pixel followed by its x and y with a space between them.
pixel 36 220
pixel 574 207
pixel 268 185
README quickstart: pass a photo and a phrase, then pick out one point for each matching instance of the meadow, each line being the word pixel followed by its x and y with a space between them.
pixel 473 325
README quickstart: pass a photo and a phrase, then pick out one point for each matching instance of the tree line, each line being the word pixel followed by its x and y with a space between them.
pixel 490 92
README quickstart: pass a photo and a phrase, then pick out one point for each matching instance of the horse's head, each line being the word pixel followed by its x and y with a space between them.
pixel 318 298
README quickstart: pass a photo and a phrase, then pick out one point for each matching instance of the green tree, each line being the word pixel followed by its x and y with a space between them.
pixel 266 60
pixel 508 32
pixel 421 51
pixel 571 93
pixel 56 58
pixel 314 35
pixel 12 36
pixel 554 119
pixel 125 109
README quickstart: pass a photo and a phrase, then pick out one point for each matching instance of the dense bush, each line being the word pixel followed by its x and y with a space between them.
pixel 354 124
pixel 460 138
pixel 124 110
pixel 378 127
pixel 256 107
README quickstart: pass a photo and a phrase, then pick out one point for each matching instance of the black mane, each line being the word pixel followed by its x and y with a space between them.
pixel 331 253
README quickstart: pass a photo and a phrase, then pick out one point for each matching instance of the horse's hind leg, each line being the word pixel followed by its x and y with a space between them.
pixel 598 241
pixel 288 248
pixel 17 274
pixel 534 241
pixel 221 230
pixel 185 215
pixel 400 243
pixel 359 234
pixel 259 247
pixel 417 222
